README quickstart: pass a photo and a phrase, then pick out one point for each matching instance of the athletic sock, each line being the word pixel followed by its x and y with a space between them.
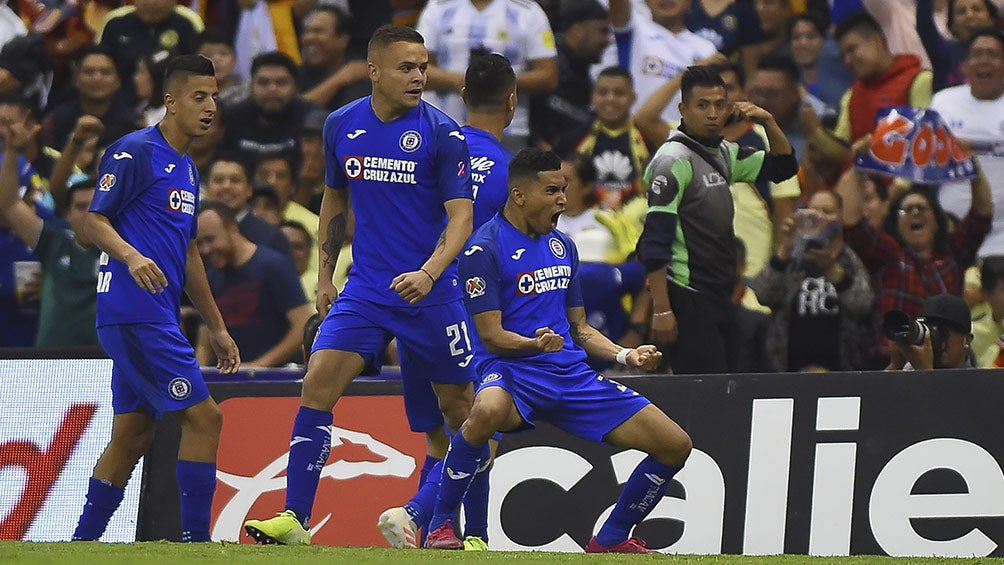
pixel 643 490
pixel 103 498
pixel 420 507
pixel 196 484
pixel 308 452
pixel 476 504
pixel 459 467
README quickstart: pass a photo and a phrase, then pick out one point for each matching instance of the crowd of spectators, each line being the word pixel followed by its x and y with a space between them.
pixel 824 254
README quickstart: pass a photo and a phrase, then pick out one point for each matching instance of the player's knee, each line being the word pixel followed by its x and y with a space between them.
pixel 455 410
pixel 214 420
pixel 206 421
pixel 485 420
pixel 678 449
pixel 134 445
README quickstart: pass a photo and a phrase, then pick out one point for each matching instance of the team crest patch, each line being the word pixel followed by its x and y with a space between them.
pixel 525 284
pixel 107 182
pixel 557 247
pixel 179 388
pixel 353 167
pixel 410 141
pixel 475 287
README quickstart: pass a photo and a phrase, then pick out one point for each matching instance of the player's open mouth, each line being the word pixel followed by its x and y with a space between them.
pixel 555 216
pixel 414 92
pixel 207 122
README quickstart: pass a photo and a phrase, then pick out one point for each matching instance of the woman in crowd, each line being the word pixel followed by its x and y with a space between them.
pixel 819 291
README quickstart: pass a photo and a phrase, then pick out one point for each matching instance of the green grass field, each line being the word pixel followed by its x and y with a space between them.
pixel 232 554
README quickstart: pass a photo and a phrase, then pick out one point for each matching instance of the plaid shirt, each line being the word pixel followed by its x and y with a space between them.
pixel 905 278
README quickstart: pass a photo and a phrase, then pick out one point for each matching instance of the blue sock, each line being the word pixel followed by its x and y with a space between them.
pixel 196 484
pixel 476 504
pixel 308 452
pixel 459 467
pixel 103 498
pixel 430 462
pixel 420 507
pixel 648 483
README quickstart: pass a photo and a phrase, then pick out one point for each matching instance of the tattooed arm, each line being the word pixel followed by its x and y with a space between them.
pixel 331 233
pixel 599 346
pixel 413 286
pixel 461 216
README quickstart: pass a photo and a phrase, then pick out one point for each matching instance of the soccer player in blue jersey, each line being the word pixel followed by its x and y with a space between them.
pixel 407 168
pixel 490 95
pixel 143 218
pixel 532 339
pixel 489 92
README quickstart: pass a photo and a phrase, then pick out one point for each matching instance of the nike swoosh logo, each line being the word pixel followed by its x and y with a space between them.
pixel 456 475
pixel 518 253
pixel 122 155
pixel 355 134
pixel 457 135
pixel 298 439
pixel 466 361
pixel 169 168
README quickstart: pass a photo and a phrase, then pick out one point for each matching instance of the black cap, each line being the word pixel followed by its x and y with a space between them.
pixel 576 11
pixel 950 310
pixel 313 122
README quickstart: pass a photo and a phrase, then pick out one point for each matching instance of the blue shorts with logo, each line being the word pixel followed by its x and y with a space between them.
pixel 153 368
pixel 432 343
pixel 576 399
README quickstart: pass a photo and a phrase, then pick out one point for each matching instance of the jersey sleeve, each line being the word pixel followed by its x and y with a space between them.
pixel 667 179
pixel 121 179
pixel 573 298
pixel 482 279
pixel 334 174
pixel 746 163
pixel 540 38
pixel 453 163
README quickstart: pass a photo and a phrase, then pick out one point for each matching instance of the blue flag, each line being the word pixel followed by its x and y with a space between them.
pixel 917 145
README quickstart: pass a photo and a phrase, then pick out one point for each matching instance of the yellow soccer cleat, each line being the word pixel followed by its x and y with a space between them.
pixel 474 543
pixel 284 529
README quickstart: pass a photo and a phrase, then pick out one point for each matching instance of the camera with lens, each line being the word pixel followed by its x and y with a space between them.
pixel 811 233
pixel 900 327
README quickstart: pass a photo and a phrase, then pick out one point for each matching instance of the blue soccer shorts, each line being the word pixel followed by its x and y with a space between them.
pixel 577 399
pixel 153 368
pixel 432 342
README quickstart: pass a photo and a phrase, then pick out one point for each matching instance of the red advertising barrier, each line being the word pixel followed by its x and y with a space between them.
pixel 373 465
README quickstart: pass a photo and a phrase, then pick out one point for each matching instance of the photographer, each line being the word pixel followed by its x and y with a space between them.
pixel 939 339
pixel 818 289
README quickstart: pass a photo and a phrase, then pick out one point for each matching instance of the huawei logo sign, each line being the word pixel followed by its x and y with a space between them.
pixel 41 466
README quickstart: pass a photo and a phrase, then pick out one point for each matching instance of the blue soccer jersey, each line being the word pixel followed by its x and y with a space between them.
pixel 150 194
pixel 532 281
pixel 489 169
pixel 398 174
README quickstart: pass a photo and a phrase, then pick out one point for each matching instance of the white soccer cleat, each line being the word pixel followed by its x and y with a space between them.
pixel 398 528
